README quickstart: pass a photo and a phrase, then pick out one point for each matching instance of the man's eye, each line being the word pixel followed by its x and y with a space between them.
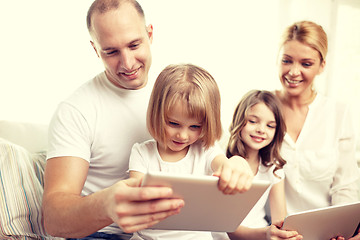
pixel 111 53
pixel 134 46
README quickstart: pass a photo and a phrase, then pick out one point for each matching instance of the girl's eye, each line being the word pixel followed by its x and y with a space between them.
pixel 252 121
pixel 271 126
pixel 195 127
pixel 174 124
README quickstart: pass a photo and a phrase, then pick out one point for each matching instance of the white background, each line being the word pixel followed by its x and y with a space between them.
pixel 45 51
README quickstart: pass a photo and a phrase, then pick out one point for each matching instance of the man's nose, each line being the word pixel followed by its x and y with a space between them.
pixel 127 61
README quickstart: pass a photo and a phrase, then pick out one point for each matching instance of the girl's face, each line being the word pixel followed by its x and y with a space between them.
pixel 298 67
pixel 260 128
pixel 181 130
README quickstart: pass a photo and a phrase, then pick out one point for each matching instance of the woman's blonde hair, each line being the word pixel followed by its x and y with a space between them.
pixel 197 90
pixel 308 33
pixel 271 153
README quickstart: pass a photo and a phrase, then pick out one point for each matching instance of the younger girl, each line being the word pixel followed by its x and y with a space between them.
pixel 184 119
pixel 256 134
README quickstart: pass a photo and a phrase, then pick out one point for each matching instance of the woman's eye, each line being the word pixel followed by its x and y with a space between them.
pixel 307 64
pixel 286 61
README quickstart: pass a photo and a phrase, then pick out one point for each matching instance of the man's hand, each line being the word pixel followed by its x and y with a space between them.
pixel 134 208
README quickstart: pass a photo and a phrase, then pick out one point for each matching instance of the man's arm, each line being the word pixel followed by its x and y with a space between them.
pixel 68 214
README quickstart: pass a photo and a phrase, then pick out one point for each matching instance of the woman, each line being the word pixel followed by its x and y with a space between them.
pixel 319 145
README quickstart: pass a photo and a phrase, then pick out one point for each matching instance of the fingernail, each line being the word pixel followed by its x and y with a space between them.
pixel 180 203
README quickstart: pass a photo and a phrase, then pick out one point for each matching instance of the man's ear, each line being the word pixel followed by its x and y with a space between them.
pixel 149 30
pixel 93 45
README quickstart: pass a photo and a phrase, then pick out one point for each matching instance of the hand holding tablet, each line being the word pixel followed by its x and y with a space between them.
pixel 206 207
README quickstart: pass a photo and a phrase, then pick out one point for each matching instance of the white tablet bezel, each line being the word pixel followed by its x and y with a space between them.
pixel 206 207
pixel 325 223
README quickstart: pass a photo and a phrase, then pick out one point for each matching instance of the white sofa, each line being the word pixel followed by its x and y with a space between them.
pixel 22 161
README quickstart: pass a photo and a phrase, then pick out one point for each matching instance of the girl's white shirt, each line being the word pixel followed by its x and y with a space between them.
pixel 256 217
pixel 145 157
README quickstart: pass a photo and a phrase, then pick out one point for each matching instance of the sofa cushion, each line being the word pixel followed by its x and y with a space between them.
pixel 21 178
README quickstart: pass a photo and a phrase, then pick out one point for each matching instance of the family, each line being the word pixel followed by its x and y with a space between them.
pixel 118 125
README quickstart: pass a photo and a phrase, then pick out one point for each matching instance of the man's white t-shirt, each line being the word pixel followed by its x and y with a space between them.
pixel 100 123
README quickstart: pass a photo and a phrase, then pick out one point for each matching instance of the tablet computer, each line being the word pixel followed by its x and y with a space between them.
pixel 206 207
pixel 325 223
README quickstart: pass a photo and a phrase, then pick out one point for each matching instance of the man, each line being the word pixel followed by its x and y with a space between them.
pixel 92 132
pixel 86 190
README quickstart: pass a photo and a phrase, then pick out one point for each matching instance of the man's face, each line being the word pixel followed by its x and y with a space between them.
pixel 122 41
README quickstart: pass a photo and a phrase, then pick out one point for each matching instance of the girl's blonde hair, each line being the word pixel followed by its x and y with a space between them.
pixel 197 90
pixel 271 153
pixel 308 33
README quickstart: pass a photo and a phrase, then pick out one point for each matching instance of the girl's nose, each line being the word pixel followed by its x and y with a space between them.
pixel 182 134
pixel 260 128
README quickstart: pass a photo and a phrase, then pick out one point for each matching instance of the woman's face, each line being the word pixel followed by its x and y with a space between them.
pixel 299 65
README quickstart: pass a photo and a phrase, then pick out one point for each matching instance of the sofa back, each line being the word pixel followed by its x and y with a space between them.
pixel 31 136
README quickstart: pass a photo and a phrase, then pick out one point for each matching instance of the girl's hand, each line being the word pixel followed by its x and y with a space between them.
pixel 235 175
pixel 356 237
pixel 274 232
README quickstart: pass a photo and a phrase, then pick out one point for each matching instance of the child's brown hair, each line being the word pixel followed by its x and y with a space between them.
pixel 271 153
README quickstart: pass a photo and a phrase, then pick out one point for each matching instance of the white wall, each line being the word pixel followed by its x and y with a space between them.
pixel 46 53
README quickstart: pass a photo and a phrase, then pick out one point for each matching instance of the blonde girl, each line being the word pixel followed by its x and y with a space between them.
pixel 256 134
pixel 184 119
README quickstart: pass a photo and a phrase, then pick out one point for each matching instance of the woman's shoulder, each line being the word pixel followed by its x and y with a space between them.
pixel 330 103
